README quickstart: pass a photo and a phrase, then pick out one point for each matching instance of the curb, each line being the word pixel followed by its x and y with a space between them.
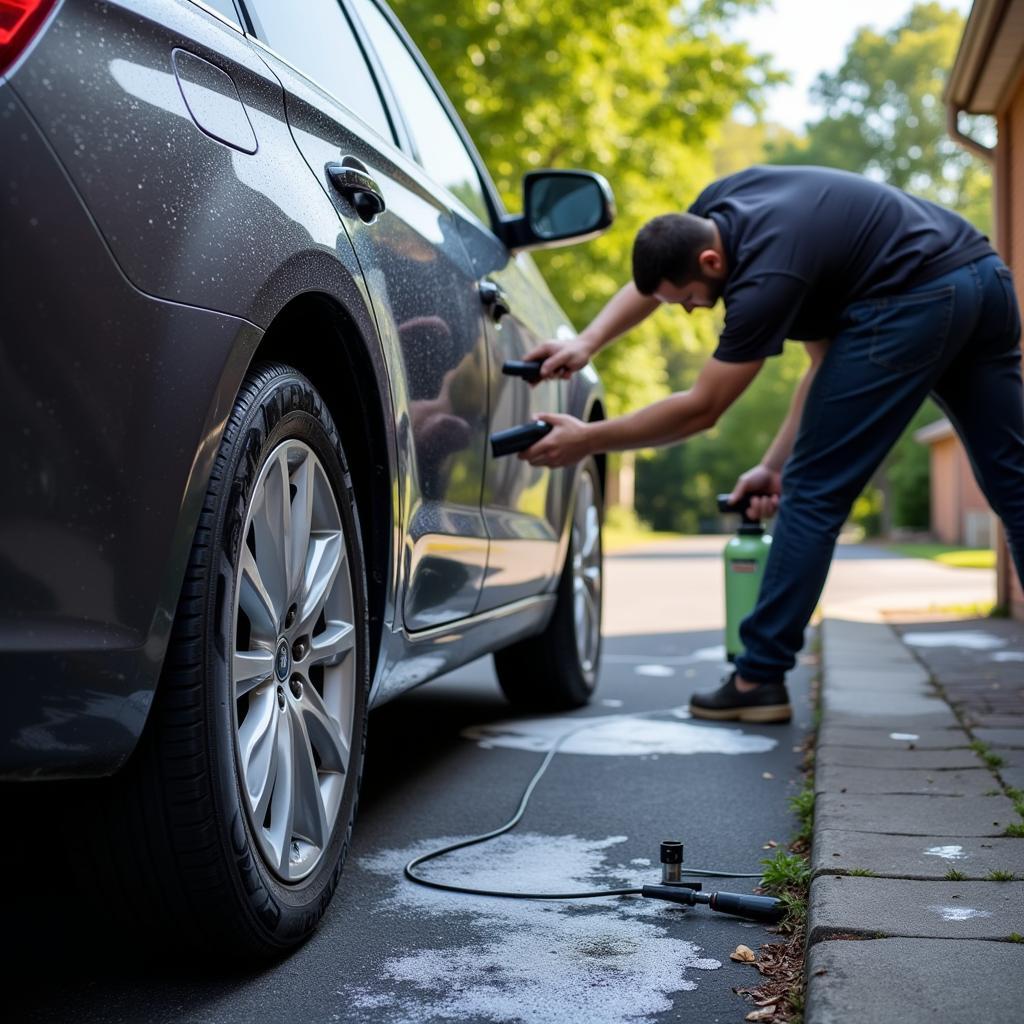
pixel 909 826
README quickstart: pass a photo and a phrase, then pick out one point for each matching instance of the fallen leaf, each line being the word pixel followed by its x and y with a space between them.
pixel 766 1014
pixel 767 775
pixel 743 955
pixel 820 971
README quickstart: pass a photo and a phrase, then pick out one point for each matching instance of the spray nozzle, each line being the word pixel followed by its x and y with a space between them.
pixel 754 908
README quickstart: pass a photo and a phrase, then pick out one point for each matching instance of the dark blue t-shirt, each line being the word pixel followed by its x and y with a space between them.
pixel 802 243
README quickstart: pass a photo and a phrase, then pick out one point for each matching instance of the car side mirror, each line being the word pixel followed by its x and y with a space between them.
pixel 559 208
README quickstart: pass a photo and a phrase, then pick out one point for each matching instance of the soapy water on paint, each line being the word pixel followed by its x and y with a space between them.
pixel 618 736
pixel 1007 656
pixel 946 852
pixel 612 962
pixel 973 640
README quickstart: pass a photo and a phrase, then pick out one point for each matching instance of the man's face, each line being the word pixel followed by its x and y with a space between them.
pixel 701 293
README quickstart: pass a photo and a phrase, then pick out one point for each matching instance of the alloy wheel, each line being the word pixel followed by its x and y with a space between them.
pixel 586 573
pixel 294 666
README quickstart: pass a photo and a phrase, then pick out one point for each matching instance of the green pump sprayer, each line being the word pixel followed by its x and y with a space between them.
pixel 745 558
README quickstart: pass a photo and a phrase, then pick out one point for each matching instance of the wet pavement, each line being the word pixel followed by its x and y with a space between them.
pixel 450 760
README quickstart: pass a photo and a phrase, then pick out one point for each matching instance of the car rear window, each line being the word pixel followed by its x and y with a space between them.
pixel 442 153
pixel 316 38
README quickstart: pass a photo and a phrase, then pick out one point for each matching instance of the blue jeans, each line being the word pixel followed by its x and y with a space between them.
pixel 956 338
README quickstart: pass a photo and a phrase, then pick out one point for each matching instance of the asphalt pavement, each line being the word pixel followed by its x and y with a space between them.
pixel 450 760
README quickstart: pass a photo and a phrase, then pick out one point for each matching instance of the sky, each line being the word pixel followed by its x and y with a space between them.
pixel 807 37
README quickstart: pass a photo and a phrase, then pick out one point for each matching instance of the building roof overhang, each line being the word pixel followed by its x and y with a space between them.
pixel 990 59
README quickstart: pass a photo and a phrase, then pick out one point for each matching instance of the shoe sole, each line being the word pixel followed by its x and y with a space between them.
pixel 766 713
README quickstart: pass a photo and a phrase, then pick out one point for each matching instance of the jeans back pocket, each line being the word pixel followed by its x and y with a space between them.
pixel 908 332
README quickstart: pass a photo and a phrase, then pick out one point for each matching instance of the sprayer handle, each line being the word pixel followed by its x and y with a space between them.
pixel 740 507
pixel 756 908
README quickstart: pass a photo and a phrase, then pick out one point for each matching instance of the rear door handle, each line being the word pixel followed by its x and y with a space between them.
pixel 494 298
pixel 359 189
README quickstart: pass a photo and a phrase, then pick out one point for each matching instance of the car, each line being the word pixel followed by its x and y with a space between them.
pixel 258 291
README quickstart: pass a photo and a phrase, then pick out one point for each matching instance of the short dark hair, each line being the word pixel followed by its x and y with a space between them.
pixel 666 249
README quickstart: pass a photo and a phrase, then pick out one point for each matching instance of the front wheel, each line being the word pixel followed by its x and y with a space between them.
pixel 557 669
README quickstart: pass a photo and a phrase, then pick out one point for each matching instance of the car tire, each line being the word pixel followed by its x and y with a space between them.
pixel 558 669
pixel 192 834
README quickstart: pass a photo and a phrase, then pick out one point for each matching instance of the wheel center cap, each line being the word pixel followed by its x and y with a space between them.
pixel 282 661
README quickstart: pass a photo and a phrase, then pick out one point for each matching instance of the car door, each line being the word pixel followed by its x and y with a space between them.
pixel 422 289
pixel 522 505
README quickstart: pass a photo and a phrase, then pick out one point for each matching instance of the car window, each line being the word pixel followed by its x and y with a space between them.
pixel 441 150
pixel 320 42
pixel 225 7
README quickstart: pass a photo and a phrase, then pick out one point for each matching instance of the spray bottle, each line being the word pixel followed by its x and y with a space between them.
pixel 745 558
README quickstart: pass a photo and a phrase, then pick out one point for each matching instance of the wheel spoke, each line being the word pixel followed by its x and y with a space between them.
pixel 332 644
pixel 310 818
pixel 324 732
pixel 257 742
pixel 301 523
pixel 271 521
pixel 591 535
pixel 251 669
pixel 255 600
pixel 282 805
pixel 326 554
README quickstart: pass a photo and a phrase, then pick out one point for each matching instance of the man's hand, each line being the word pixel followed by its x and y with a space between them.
pixel 561 358
pixel 569 442
pixel 761 480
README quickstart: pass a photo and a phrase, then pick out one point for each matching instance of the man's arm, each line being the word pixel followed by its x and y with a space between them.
pixel 766 477
pixel 624 310
pixel 679 416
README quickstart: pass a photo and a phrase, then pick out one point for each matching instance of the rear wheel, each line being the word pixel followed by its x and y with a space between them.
pixel 246 780
pixel 558 668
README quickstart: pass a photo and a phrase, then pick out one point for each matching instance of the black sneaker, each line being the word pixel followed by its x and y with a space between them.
pixel 768 703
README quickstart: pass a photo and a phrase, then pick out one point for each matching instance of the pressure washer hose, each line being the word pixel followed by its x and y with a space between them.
pixel 757 907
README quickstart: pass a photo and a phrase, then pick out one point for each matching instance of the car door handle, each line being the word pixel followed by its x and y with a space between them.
pixel 359 189
pixel 494 298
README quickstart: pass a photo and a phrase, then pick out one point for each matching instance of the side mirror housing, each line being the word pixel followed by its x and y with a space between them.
pixel 560 208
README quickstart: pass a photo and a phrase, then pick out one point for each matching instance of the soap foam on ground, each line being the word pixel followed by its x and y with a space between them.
pixel 618 736
pixel 610 961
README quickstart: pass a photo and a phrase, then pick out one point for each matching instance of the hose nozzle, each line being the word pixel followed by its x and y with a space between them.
pixel 754 908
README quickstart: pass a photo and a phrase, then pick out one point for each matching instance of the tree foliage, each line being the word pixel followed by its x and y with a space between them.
pixel 884 117
pixel 636 90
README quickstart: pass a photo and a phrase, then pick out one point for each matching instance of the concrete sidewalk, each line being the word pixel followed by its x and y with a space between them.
pixel 920 747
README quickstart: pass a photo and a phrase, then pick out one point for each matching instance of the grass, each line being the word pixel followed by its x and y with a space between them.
pixel 958 557
pixel 1015 937
pixel 785 870
pixel 625 530
pixel 1015 830
pixel 802 805
pixel 862 872
pixel 1000 876
pixel 993 761
pixel 952 875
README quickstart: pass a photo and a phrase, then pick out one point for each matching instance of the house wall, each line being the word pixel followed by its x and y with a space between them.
pixel 1010 214
pixel 955 494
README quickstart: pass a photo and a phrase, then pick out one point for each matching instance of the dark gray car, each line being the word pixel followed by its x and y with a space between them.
pixel 257 291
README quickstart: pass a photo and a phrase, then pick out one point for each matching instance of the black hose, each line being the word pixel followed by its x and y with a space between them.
pixel 410 868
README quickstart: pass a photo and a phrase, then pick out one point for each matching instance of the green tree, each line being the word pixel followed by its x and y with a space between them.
pixel 635 90
pixel 884 117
